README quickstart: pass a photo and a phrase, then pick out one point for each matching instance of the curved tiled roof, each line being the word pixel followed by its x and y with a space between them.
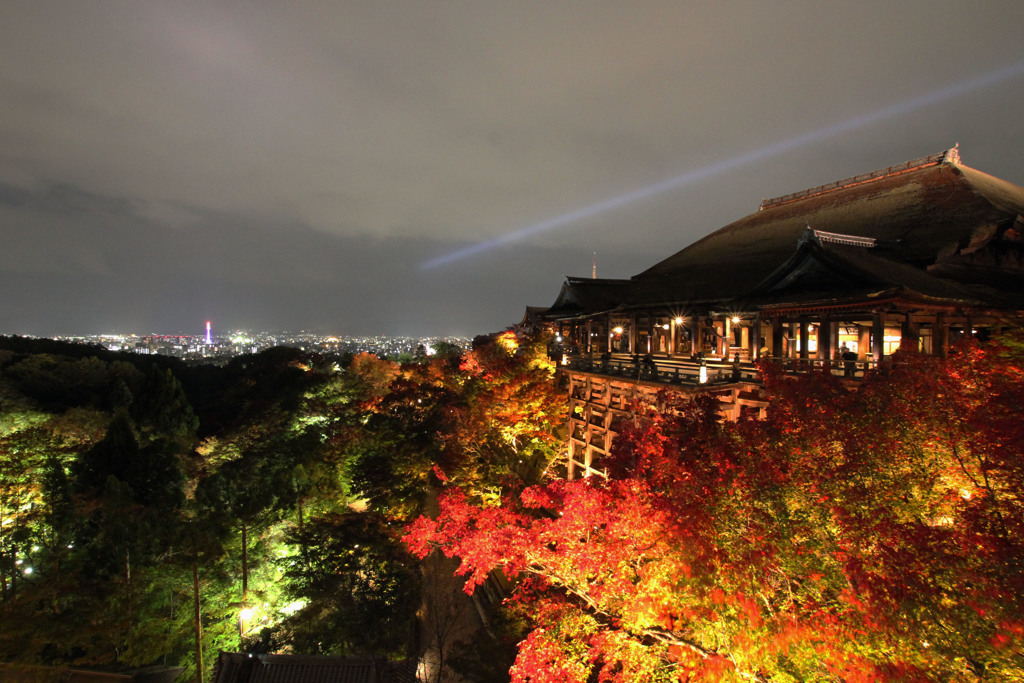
pixel 917 212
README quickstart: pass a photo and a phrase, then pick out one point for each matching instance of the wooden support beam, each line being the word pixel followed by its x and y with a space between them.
pixel 805 351
pixel 878 336
pixel 910 340
pixel 824 339
pixel 863 341
pixel 940 336
pixel 778 333
pixel 755 338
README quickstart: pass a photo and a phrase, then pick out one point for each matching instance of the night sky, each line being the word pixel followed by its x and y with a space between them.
pixel 420 168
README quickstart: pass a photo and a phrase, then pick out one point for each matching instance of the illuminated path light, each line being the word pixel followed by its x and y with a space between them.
pixel 759 154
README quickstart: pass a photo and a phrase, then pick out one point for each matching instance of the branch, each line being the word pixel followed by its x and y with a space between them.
pixel 609 621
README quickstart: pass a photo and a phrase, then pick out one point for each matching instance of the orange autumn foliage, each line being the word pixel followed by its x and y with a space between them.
pixel 874 534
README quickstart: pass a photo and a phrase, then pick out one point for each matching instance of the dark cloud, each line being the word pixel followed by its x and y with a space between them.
pixel 78 263
pixel 294 164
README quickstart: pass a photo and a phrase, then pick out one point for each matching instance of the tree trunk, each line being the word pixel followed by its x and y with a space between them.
pixel 245 584
pixel 128 583
pixel 199 624
pixel 245 567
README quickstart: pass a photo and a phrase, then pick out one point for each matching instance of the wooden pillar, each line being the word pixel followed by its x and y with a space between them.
pixel 804 338
pixel 878 332
pixel 863 341
pixel 696 335
pixel 909 338
pixel 778 329
pixel 726 337
pixel 940 336
pixel 825 339
pixel 755 337
pixel 672 337
pixel 632 333
pixel 641 325
pixel 571 467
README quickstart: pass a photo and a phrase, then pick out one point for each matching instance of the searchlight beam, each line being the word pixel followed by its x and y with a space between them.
pixel 740 160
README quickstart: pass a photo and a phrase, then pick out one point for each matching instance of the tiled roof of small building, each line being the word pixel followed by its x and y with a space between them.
pixel 233 667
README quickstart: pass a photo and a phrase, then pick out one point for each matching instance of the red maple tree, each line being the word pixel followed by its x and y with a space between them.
pixel 865 534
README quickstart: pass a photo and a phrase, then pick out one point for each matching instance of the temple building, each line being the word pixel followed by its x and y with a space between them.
pixel 837 277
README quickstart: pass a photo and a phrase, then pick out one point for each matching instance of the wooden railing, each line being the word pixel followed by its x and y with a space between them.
pixel 665 370
pixel 850 369
pixel 689 372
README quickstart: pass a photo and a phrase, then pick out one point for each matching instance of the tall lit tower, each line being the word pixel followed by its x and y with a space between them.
pixel 208 339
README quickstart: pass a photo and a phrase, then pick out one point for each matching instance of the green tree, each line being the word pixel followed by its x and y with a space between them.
pixel 359 587
pixel 394 452
pixel 160 406
pixel 129 504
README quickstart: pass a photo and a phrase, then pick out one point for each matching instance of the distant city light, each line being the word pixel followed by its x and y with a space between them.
pixel 201 348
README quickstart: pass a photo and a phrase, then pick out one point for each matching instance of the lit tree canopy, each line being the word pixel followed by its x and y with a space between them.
pixel 866 534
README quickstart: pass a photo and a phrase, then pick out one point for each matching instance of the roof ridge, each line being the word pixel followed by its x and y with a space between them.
pixel 840 238
pixel 951 155
pixel 596 280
